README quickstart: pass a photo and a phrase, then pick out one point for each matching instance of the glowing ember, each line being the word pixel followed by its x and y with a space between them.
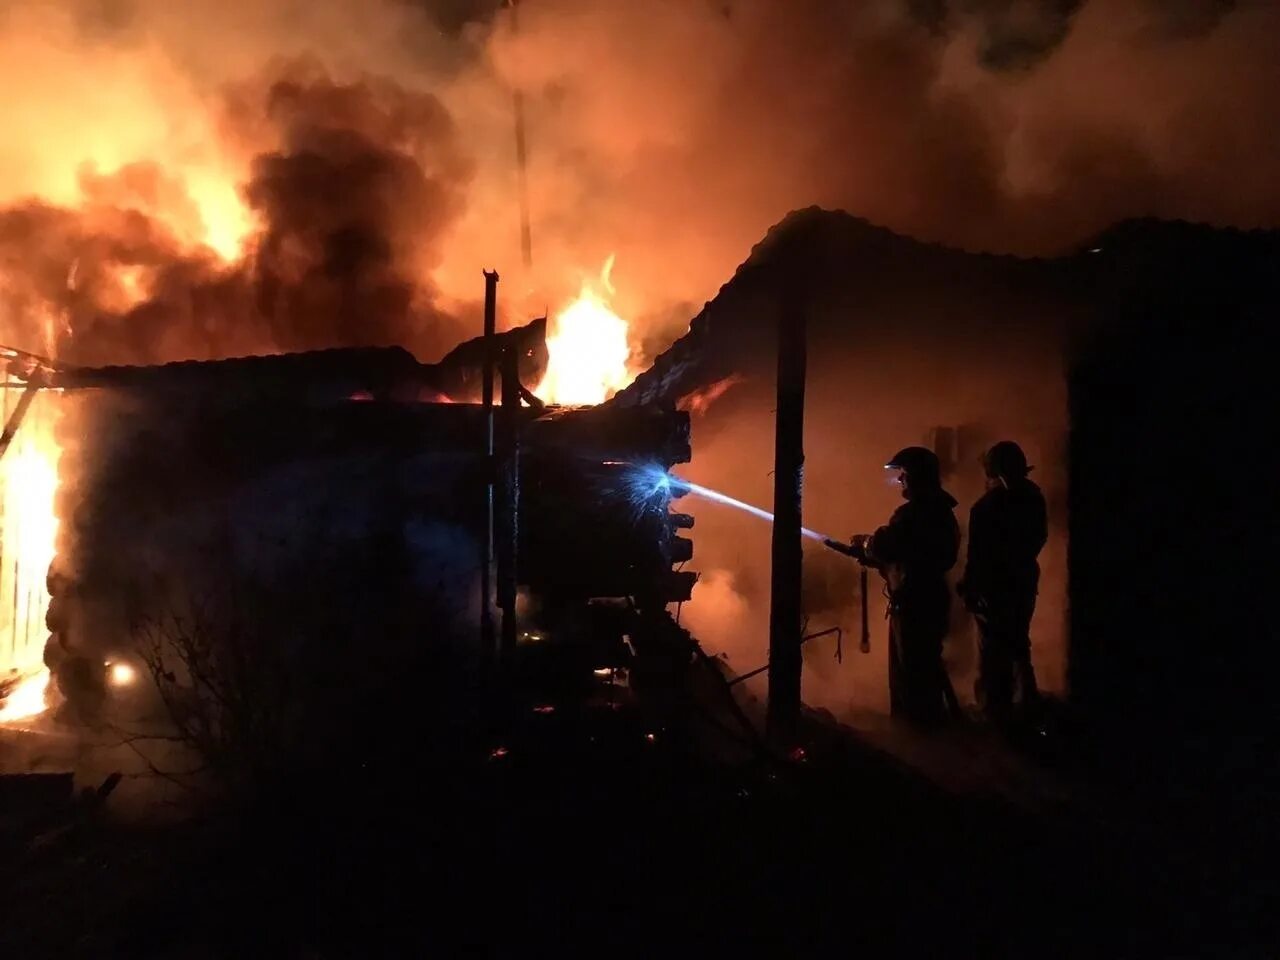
pixel 26 699
pixel 587 349
pixel 698 402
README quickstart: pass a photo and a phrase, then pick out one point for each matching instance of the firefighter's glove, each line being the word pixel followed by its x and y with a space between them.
pixel 856 547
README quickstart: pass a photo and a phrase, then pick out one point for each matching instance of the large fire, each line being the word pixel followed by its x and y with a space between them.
pixel 588 352
pixel 123 171
pixel 28 538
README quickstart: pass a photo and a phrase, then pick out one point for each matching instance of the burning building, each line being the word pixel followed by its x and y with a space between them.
pixel 187 469
pixel 299 462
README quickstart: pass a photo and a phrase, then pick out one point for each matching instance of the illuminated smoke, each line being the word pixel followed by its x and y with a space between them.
pixel 169 172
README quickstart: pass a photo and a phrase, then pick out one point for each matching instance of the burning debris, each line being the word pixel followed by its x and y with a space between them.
pixel 26 697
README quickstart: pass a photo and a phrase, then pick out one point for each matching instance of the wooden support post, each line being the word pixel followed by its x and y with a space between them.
pixel 785 613
pixel 486 547
pixel 509 504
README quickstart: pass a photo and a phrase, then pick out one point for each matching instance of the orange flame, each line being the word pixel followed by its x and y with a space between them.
pixel 26 699
pixel 699 401
pixel 588 353
pixel 28 538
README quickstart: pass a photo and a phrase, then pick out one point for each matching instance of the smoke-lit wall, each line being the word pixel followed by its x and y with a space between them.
pixel 908 344
pixel 1136 375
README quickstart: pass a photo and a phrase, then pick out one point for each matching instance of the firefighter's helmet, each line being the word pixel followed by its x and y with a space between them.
pixel 919 464
pixel 1005 461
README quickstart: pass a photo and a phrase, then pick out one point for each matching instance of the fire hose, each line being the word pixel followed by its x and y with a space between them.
pixel 857 549
pixel 865 643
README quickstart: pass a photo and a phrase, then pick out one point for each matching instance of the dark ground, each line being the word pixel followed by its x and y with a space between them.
pixel 583 834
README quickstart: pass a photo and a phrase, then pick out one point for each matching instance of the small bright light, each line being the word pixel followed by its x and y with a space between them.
pixel 122 675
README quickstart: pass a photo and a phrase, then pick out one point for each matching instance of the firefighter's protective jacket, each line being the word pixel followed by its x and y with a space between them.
pixel 1008 527
pixel 918 545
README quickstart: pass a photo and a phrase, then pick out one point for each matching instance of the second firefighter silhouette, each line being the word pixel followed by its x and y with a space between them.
pixel 1008 528
pixel 913 552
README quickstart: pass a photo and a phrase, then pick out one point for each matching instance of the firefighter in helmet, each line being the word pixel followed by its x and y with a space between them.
pixel 1008 527
pixel 913 552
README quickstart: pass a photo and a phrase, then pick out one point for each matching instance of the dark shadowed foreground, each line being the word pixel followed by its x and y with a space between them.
pixel 583 818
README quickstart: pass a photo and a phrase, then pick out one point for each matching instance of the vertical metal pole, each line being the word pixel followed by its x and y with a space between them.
pixel 785 612
pixel 522 157
pixel 508 526
pixel 486 549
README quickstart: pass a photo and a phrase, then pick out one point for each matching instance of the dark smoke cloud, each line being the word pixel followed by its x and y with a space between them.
pixel 67 288
pixel 353 205
pixel 672 133
pixel 675 133
pixel 1017 35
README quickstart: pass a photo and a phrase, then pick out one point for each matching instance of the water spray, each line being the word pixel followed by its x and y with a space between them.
pixel 652 480
pixel 646 481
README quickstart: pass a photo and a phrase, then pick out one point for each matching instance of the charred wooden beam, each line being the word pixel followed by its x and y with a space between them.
pixel 20 411
pixel 486 542
pixel 642 434
pixel 508 544
pixel 458 375
pixel 680 550
pixel 677 371
pixel 316 377
pixel 154 472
